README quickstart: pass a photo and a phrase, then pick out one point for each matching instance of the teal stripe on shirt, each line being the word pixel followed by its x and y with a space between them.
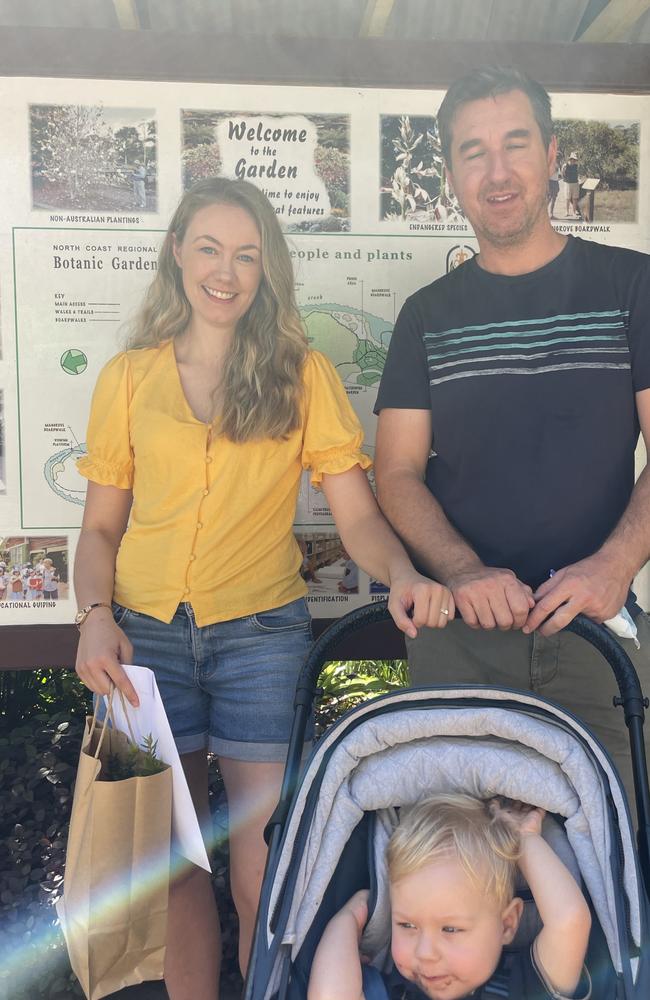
pixel 532 357
pixel 527 322
pixel 538 343
pixel 526 371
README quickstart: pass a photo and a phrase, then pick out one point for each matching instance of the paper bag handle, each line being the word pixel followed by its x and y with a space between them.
pixel 109 717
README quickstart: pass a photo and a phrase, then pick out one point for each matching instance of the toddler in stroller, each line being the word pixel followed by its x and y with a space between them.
pixel 329 833
pixel 451 870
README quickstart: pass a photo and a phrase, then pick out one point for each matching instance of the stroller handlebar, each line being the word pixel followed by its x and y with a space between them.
pixel 629 686
pixel 353 621
pixel 630 694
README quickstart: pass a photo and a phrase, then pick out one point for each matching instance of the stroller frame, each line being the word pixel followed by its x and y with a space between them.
pixel 630 698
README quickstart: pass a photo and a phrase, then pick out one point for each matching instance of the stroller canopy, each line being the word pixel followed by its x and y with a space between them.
pixel 397 749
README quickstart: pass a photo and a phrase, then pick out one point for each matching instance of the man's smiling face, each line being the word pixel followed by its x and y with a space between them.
pixel 500 168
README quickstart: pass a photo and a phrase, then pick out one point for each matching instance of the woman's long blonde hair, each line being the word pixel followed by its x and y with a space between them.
pixel 262 383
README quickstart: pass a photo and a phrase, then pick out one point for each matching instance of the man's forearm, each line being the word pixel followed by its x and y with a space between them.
pixel 485 596
pixel 629 543
pixel 417 517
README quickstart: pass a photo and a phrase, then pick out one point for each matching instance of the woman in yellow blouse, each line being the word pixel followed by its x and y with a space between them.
pixel 196 442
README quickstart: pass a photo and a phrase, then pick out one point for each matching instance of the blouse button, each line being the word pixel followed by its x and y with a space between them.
pixel 192 557
pixel 205 492
pixel 209 458
pixel 199 524
pixel 187 590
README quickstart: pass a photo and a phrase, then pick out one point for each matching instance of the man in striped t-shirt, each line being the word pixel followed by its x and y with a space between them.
pixel 510 408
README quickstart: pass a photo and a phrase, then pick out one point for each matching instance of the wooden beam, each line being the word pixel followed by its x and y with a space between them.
pixel 614 21
pixel 26 647
pixel 127 15
pixel 362 62
pixel 375 18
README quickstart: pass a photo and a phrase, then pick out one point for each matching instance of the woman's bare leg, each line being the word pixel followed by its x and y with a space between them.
pixel 193 957
pixel 253 790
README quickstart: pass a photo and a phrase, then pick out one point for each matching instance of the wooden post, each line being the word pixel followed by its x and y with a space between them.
pixel 589 186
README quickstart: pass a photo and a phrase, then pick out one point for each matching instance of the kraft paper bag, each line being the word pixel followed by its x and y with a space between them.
pixel 150 719
pixel 114 907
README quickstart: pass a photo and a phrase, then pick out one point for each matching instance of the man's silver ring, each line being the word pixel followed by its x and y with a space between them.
pixel 444 611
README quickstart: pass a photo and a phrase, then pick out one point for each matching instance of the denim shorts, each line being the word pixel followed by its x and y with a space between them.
pixel 227 687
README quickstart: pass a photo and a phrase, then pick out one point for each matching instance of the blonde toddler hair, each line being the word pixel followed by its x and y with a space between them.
pixel 453 825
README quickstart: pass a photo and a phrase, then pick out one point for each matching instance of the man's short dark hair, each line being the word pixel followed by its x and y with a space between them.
pixel 488 81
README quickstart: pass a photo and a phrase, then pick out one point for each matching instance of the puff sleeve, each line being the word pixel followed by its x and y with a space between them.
pixel 332 434
pixel 109 458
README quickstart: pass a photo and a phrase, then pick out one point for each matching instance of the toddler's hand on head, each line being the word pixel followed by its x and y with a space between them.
pixel 521 816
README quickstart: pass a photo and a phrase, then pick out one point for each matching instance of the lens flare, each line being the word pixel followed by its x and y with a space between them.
pixel 42 957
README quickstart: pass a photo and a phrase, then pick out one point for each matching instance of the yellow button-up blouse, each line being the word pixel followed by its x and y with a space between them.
pixel 211 521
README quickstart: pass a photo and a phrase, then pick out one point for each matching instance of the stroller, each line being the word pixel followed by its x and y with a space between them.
pixel 328 834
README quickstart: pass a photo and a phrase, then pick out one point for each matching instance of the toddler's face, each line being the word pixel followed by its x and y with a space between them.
pixel 447 935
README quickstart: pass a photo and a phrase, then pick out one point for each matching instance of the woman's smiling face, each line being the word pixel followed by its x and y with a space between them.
pixel 220 257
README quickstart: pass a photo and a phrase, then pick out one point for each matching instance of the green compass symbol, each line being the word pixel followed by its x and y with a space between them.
pixel 74 362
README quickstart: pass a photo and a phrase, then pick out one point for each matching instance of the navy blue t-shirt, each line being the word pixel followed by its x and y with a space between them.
pixel 515 978
pixel 531 384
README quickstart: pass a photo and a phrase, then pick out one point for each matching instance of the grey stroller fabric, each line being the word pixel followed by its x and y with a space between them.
pixel 395 759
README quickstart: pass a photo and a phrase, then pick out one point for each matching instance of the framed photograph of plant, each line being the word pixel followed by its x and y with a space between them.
pixel 413 174
pixel 93 158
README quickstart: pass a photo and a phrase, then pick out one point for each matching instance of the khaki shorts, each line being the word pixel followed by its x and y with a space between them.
pixel 564 668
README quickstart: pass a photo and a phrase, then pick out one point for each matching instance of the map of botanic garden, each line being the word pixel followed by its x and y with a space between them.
pixel 355 341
